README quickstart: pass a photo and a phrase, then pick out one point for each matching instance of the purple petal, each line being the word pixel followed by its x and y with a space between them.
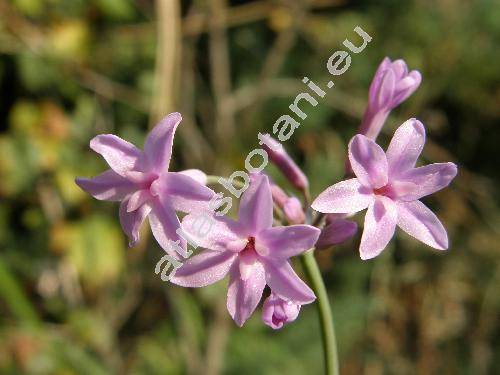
pixel 158 145
pixel 336 232
pixel 399 68
pixel 256 206
pixel 131 221
pixel 204 269
pixel 164 224
pixel 285 242
pixel 380 224
pixel 284 282
pixel 420 222
pixel 196 174
pixel 137 199
pixel 245 291
pixel 121 155
pixel 368 161
pixel 184 193
pixel 377 78
pixel 385 91
pixel 405 147
pixel 406 87
pixel 109 186
pixel 347 196
pixel 427 180
pixel 209 231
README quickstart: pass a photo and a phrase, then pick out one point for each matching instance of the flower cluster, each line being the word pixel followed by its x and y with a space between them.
pixel 253 250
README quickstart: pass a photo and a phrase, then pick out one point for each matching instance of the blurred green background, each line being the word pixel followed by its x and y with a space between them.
pixel 75 300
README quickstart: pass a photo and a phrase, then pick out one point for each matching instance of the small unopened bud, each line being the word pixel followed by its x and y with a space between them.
pixel 336 231
pixel 277 312
pixel 284 162
pixel 293 211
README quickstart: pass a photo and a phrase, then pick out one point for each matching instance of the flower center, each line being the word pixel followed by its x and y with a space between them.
pixel 386 191
pixel 249 247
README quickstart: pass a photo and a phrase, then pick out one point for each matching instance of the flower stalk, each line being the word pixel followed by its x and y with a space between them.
pixel 324 311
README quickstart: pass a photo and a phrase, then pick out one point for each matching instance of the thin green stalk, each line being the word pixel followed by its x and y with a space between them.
pixel 325 313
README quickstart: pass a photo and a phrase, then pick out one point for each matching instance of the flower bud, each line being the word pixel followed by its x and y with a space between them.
pixel 284 162
pixel 277 312
pixel 279 196
pixel 336 231
pixel 391 85
pixel 293 211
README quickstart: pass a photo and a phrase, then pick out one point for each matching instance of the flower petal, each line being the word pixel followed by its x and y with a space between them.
pixel 347 196
pixel 131 221
pixel 285 242
pixel 256 206
pixel 121 155
pixel 416 219
pixel 203 269
pixel 427 180
pixel 184 193
pixel 405 147
pixel 109 186
pixel 137 199
pixel 380 224
pixel 284 282
pixel 386 90
pixel 209 231
pixel 164 224
pixel 196 175
pixel 158 144
pixel 244 293
pixel 368 161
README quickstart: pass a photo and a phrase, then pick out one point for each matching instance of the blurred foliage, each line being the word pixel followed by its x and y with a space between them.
pixel 75 300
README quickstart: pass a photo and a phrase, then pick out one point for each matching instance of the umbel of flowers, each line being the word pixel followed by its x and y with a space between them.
pixel 254 251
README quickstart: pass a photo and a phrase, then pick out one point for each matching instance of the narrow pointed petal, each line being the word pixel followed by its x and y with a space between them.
pixel 427 180
pixel 244 293
pixel 377 78
pixel 203 269
pixel 284 282
pixel 137 199
pixel 368 161
pixel 120 155
pixel 347 196
pixel 380 224
pixel 109 186
pixel 131 221
pixel 158 145
pixel 184 193
pixel 196 175
pixel 164 224
pixel 405 147
pixel 211 232
pixel 256 206
pixel 285 242
pixel 416 219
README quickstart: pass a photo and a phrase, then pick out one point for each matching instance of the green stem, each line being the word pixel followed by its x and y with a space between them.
pixel 325 313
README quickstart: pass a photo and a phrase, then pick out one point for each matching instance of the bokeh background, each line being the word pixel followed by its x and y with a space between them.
pixel 75 300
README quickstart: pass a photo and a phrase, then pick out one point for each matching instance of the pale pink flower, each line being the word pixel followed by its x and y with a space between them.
pixel 144 186
pixel 390 186
pixel 251 251
pixel 276 312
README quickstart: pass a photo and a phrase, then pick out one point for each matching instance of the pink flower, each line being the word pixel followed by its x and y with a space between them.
pixel 336 231
pixel 284 162
pixel 390 186
pixel 277 312
pixel 251 251
pixel 391 85
pixel 143 185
